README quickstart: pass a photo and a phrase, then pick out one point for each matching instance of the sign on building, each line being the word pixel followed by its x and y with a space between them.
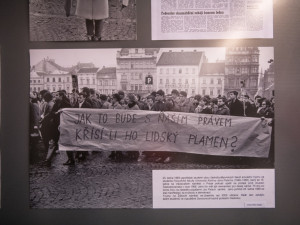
pixel 149 80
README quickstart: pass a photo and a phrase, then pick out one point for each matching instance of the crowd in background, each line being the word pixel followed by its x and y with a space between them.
pixel 45 113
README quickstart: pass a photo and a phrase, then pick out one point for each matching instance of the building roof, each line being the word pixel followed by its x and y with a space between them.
pixel 48 65
pixel 213 68
pixel 85 65
pixel 41 73
pixel 88 70
pixel 58 66
pixel 59 72
pixel 107 73
pixel 180 58
pixel 34 74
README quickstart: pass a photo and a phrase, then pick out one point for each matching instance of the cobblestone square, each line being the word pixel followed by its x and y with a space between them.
pixel 100 182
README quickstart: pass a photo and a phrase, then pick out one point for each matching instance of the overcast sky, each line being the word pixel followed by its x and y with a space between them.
pixel 107 56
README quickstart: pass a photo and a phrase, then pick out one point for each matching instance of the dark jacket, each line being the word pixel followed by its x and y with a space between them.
pixel 236 108
pixel 223 110
pixel 159 106
pixel 266 112
pixel 250 110
pixel 206 110
pixel 85 104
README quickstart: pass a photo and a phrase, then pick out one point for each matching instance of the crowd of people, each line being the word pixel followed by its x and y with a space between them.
pixel 45 113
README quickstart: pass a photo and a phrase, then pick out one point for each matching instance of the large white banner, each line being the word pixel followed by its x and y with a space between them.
pixel 211 19
pixel 124 130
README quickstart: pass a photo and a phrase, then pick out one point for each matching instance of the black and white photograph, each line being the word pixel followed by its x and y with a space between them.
pixel 82 20
pixel 102 120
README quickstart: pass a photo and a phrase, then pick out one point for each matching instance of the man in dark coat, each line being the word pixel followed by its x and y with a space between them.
pixel 96 102
pixel 159 104
pixel 250 108
pixel 235 106
pixel 87 93
pixel 80 155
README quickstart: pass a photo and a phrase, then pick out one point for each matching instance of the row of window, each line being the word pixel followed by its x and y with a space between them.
pixel 212 81
pixel 107 82
pixel 132 63
pixel 136 87
pixel 58 79
pixel 87 81
pixel 53 89
pixel 211 92
pixel 244 50
pixel 179 81
pixel 38 89
pixel 187 81
pixel 242 70
pixel 35 81
pixel 177 70
pixel 245 59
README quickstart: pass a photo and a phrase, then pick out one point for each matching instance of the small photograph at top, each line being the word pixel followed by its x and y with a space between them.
pixel 82 20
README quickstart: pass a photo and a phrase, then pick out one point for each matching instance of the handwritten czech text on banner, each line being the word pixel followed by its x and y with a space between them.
pixel 124 130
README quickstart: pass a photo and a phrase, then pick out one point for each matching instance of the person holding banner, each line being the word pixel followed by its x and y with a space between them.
pixel 116 155
pixel 87 93
pixel 94 99
pixel 74 97
pixel 132 105
pixel 184 104
pixel 235 106
pixel 250 109
pixel 150 101
pixel 104 103
pixel 160 105
pixel 266 110
pixel 115 102
pixel 176 100
pixel 132 102
pixel 204 105
pixel 80 155
pixel 222 108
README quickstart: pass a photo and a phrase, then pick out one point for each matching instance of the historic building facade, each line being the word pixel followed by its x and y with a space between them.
pixel 134 65
pixel 87 77
pixel 107 80
pixel 211 80
pixel 58 80
pixel 242 70
pixel 48 75
pixel 179 70
pixel 36 81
